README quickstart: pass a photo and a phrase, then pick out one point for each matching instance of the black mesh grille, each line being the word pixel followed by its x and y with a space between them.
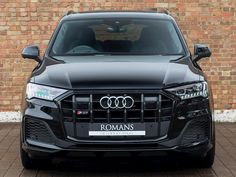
pixel 37 130
pixel 146 108
pixel 197 131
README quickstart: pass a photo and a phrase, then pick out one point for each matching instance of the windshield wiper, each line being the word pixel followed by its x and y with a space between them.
pixel 117 53
pixel 143 53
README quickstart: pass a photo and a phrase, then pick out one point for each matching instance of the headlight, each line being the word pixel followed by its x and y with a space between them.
pixel 42 92
pixel 190 91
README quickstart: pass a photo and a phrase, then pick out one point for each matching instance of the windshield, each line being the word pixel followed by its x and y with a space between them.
pixel 117 36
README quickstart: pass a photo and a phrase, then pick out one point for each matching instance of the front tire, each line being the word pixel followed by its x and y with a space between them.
pixel 208 160
pixel 26 161
pixel 30 163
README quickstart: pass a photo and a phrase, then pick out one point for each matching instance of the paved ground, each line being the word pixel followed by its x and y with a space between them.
pixel 225 162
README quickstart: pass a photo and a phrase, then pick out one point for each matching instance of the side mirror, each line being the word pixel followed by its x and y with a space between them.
pixel 31 52
pixel 201 51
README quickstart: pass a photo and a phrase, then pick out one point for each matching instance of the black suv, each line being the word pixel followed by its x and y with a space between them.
pixel 117 82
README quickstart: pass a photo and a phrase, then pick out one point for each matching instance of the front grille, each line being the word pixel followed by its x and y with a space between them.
pixel 197 131
pixel 37 130
pixel 147 108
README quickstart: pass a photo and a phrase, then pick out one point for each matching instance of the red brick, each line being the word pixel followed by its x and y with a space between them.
pixel 33 21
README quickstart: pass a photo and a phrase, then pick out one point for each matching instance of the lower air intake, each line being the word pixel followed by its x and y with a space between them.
pixel 197 131
pixel 37 130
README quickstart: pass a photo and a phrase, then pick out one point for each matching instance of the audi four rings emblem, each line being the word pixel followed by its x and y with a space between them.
pixel 116 102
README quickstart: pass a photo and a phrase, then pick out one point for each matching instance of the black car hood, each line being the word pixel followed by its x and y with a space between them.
pixel 116 72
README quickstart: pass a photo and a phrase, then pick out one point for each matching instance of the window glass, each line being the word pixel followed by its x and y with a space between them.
pixel 117 36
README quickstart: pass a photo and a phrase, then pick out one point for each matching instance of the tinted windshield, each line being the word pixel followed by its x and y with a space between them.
pixel 117 36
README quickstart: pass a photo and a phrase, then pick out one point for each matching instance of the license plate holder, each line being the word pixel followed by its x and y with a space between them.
pixel 116 129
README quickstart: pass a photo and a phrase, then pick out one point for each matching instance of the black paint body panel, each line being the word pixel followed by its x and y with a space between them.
pixel 121 74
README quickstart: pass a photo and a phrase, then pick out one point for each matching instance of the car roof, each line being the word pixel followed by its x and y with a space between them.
pixel 116 14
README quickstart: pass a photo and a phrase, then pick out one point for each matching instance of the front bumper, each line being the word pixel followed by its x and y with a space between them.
pixel 42 150
pixel 189 131
pixel 61 148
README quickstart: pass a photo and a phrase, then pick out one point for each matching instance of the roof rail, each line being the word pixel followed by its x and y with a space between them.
pixel 165 11
pixel 160 10
pixel 70 12
pixel 157 10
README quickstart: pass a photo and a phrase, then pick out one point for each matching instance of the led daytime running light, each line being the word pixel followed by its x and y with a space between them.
pixel 43 92
pixel 190 91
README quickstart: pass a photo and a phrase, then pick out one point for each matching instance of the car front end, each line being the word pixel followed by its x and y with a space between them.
pixel 108 102
pixel 158 120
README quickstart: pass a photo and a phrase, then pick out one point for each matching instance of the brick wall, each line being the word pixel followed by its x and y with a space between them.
pixel 23 22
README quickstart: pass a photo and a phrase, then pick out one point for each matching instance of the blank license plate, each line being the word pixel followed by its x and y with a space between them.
pixel 116 129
